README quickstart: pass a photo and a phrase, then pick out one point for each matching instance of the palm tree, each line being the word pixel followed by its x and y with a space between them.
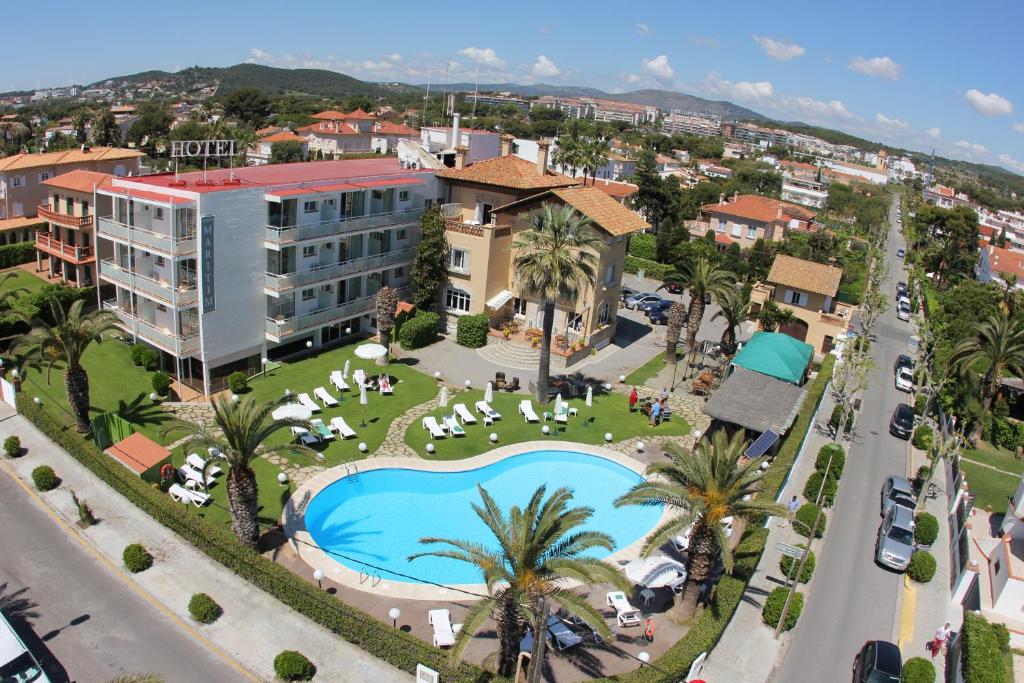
pixel 734 310
pixel 700 277
pixel 245 137
pixel 569 154
pixel 771 316
pixel 387 304
pixel 702 488
pixel 540 547
pixel 595 154
pixel 675 320
pixel 66 341
pixel 554 259
pixel 1010 294
pixel 240 431
pixel 995 350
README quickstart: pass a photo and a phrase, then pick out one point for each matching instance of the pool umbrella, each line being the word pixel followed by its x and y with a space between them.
pixel 344 373
pixel 443 402
pixel 362 404
pixel 588 401
pixel 558 403
pixel 489 393
pixel 373 351
pixel 656 571
pixel 292 411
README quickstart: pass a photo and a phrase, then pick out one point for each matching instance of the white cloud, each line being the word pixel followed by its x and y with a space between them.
pixel 390 67
pixel 971 148
pixel 891 123
pixel 746 91
pixel 881 67
pixel 484 56
pixel 703 41
pixel 659 68
pixel 632 79
pixel 544 68
pixel 1011 163
pixel 814 109
pixel 934 133
pixel 779 50
pixel 259 55
pixel 989 104
pixel 1018 128
pixel 643 29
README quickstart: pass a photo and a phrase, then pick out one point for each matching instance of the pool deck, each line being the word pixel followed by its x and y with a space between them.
pixel 294 526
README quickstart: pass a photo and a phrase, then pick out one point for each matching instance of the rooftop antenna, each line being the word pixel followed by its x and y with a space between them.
pixel 476 93
pixel 426 100
pixel 447 65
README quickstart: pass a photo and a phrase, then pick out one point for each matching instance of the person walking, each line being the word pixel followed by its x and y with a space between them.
pixel 792 506
pixel 633 398
pixel 655 413
pixel 941 636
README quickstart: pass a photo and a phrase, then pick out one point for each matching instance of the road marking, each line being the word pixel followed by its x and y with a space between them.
pixel 907 613
pixel 119 573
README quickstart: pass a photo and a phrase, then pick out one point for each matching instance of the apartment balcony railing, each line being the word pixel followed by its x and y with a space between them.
pixel 151 241
pixel 165 339
pixel 44 211
pixel 64 251
pixel 279 283
pixel 276 236
pixel 147 286
pixel 279 327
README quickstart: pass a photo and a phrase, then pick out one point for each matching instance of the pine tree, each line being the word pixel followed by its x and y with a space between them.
pixel 430 264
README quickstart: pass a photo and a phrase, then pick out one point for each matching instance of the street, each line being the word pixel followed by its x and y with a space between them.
pixel 855 600
pixel 81 620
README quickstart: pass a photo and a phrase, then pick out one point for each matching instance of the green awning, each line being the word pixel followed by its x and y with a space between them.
pixel 776 355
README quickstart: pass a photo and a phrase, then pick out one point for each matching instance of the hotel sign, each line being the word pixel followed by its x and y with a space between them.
pixel 202 148
pixel 206 263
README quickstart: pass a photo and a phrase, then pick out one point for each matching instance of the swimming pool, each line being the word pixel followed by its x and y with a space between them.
pixel 379 516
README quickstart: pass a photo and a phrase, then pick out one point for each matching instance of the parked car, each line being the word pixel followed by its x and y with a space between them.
pixel 649 306
pixel 626 292
pixel 905 380
pixel 902 422
pixel 674 288
pixel 879 661
pixel 903 361
pixel 901 289
pixel 16 662
pixel 903 312
pixel 658 316
pixel 900 253
pixel 903 300
pixel 640 298
pixel 897 491
pixel 895 543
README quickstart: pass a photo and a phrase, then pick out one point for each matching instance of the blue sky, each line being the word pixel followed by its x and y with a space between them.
pixel 919 75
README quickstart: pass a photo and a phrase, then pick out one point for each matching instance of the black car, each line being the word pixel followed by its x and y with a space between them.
pixel 878 661
pixel 902 423
pixel 659 316
pixel 626 292
pixel 674 288
pixel 903 361
pixel 648 306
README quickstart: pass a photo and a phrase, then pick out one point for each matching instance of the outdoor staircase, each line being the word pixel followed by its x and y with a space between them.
pixel 506 354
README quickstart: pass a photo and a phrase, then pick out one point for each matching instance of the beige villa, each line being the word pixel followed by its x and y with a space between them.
pixel 488 203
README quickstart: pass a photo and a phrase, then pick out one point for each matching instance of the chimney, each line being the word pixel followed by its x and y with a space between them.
pixel 778 212
pixel 542 156
pixel 735 195
pixel 455 129
pixel 506 144
pixel 721 199
pixel 460 157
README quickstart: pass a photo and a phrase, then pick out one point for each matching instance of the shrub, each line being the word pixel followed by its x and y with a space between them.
pixel 204 609
pixel 849 421
pixel 136 353
pixel 923 438
pixel 643 246
pixel 12 446
pixel 920 404
pixel 774 604
pixel 150 359
pixel 788 565
pixel 983 647
pixel 926 528
pixel 471 330
pixel 814 485
pixel 161 383
pixel 420 331
pixel 293 666
pixel 136 558
pixel 652 269
pixel 804 518
pixel 834 418
pixel 17 253
pixel 838 455
pixel 85 516
pixel 922 566
pixel 1004 433
pixel 45 478
pixel 918 670
pixel 921 477
pixel 238 382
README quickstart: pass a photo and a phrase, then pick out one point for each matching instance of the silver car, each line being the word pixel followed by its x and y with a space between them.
pixel 638 300
pixel 895 543
pixel 897 491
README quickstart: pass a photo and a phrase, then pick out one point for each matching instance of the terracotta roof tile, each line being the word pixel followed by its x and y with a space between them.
pixel 333 115
pixel 71 156
pixel 806 275
pixel 283 136
pixel 78 180
pixel 614 188
pixel 508 171
pixel 388 128
pixel 756 208
pixel 330 128
pixel 602 210
pixel 722 238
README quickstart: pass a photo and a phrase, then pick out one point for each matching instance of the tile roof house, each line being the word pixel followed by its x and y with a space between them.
pixel 749 217
pixel 508 172
pixel 260 153
pixel 805 275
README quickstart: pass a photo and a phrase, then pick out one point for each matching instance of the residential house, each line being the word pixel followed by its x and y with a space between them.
pixel 385 136
pixel 66 244
pixel 442 141
pixel 749 217
pixel 800 184
pixel 875 175
pixel 260 153
pixel 996 263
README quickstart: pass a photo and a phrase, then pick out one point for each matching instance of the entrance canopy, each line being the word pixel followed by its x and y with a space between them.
pixel 499 299
pixel 755 401
pixel 776 355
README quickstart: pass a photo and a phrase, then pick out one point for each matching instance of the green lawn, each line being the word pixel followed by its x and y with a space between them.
pixel 995 456
pixel 608 413
pixel 17 278
pixel 650 369
pixel 989 487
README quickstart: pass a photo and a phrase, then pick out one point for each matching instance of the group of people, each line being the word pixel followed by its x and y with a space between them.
pixel 654 407
pixel 374 383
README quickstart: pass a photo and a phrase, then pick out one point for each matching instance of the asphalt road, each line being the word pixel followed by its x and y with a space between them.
pixel 855 600
pixel 81 621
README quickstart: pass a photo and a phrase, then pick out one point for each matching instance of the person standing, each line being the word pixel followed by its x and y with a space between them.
pixel 941 636
pixel 792 506
pixel 655 413
pixel 664 394
pixel 633 398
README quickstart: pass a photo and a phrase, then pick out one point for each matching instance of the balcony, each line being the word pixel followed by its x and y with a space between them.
pixel 279 327
pixel 152 288
pixel 280 283
pixel 77 222
pixel 276 237
pixel 151 241
pixel 63 251
pixel 167 340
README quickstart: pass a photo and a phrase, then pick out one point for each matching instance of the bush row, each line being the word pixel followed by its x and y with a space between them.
pixel 776 602
pixel 786 565
pixel 38 304
pixel 471 330
pixel 420 331
pixel 922 566
pixel 652 269
pixel 643 246
pixel 17 253
pixel 982 650
pixel 393 646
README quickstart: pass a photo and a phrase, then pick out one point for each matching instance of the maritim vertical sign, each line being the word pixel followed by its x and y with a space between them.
pixel 206 263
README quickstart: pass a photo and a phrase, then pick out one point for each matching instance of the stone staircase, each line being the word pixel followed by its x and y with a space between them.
pixel 506 354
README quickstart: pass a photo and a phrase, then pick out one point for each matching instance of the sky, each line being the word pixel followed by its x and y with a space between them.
pixel 913 74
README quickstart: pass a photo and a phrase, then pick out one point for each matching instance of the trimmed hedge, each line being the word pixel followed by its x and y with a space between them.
pixel 161 382
pixel 293 666
pixel 926 528
pixel 136 558
pixel 419 331
pixel 922 566
pixel 918 670
pixel 814 485
pixel 805 517
pixel 776 602
pixel 394 646
pixel 471 330
pixel 787 565
pixel 204 609
pixel 44 478
pixel 17 253
pixel 643 246
pixel 923 438
pixel 982 650
pixel 652 269
pixel 838 455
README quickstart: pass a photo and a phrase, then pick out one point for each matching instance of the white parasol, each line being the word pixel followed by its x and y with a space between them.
pixel 344 373
pixel 370 351
pixel 589 400
pixel 489 393
pixel 558 403
pixel 443 401
pixel 362 395
pixel 657 571
pixel 292 411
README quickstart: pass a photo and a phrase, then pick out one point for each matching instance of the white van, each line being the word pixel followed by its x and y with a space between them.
pixel 17 664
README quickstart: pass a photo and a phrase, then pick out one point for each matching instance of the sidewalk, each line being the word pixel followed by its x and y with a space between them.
pixel 254 627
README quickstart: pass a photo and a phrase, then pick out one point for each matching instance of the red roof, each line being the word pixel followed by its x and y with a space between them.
pixel 388 128
pixel 283 136
pixel 330 128
pixel 138 452
pixel 333 115
pixel 1005 261
pixel 330 115
pixel 360 115
pixel 345 187
pixel 614 189
pixel 722 238
pixel 78 180
pixel 987 231
pixel 757 208
pixel 799 164
pixel 269 130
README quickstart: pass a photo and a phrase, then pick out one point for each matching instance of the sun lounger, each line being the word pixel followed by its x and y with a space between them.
pixel 563 636
pixel 487 410
pixel 339 425
pixel 181 494
pixel 626 614
pixel 305 437
pixel 464 414
pixel 339 381
pixel 191 474
pixel 305 400
pixel 430 424
pixel 321 430
pixel 385 386
pixel 444 630
pixel 526 410
pixel 359 377
pixel 563 416
pixel 453 426
pixel 325 398
pixel 198 463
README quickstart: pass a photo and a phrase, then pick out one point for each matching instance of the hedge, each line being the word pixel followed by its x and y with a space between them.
pixel 982 650
pixel 12 446
pixel 161 382
pixel 804 519
pixel 652 269
pixel 923 438
pixel 394 646
pixel 237 382
pixel 838 456
pixel 776 602
pixel 922 566
pixel 926 528
pixel 419 331
pixel 814 486
pixel 787 565
pixel 918 670
pixel 643 246
pixel 36 304
pixel 17 253
pixel 471 330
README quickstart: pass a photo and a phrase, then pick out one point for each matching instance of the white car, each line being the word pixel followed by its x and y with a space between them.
pixel 905 380
pixel 903 313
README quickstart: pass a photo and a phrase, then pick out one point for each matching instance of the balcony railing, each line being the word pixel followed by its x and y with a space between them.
pixel 339 226
pixel 161 291
pixel 162 338
pixel 68 252
pixel 330 271
pixel 44 211
pixel 279 327
pixel 152 241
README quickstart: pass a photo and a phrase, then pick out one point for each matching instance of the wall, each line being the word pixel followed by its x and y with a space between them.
pixel 33 192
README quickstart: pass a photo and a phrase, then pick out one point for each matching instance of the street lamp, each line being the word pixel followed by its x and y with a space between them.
pixel 437 375
pixel 644 657
pixel 394 613
pixel 468 384
pixel 309 348
pixel 38 401
pixel 639 446
pixel 608 437
pixel 545 430
pixel 282 478
pixel 263 362
pixel 318 576
pixel 154 396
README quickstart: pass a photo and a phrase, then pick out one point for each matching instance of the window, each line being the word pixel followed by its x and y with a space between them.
pixel 722 226
pixel 403 196
pixel 18 181
pixel 602 313
pixel 736 230
pixel 751 233
pixel 575 321
pixel 309 251
pixel 159 213
pixel 519 306
pixel 309 294
pixel 85 208
pixel 609 276
pixel 795 298
pixel 45 175
pixel 458 259
pixel 309 207
pixel 402 234
pixel 159 261
pixel 457 300
pixel 399 272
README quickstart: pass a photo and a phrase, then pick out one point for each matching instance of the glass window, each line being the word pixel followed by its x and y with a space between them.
pixel 457 300
pixel 403 196
pixel 309 207
pixel 308 294
pixel 458 259
pixel 602 313
pixel 399 272
pixel 159 214
pixel 519 306
pixel 17 181
pixel 751 233
pixel 721 226
pixel 402 234
pixel 308 251
pixel 576 321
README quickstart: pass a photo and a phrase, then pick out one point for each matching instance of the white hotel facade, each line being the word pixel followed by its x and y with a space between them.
pixel 221 270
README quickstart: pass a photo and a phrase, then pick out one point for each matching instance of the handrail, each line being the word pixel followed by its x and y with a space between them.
pixel 51 244
pixel 344 219
pixel 64 219
pixel 160 235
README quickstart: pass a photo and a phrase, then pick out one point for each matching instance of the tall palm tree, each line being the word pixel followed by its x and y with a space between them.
pixel 676 318
pixel 995 350
pixel 539 548
pixel 569 153
pixel 556 258
pixel 387 305
pixel 595 154
pixel 734 310
pixel 245 138
pixel 1010 294
pixel 65 341
pixel 702 489
pixel 771 316
pixel 700 277
pixel 241 431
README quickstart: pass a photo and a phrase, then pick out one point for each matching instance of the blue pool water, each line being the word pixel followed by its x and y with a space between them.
pixel 379 516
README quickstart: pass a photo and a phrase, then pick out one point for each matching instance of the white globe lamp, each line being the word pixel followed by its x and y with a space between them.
pixel 362 447
pixel 608 437
pixel 430 448
pixel 639 446
pixel 282 478
pixel 545 430
pixel 494 437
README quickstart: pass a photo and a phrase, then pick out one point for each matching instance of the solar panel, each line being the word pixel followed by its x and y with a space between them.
pixel 761 444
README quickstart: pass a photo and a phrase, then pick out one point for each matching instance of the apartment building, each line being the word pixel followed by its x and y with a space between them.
pixel 801 183
pixel 223 269
pixel 65 246
pixel 747 218
pixel 876 175
pixel 500 100
pixel 691 123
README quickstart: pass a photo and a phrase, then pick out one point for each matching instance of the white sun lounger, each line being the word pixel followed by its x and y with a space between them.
pixel 339 425
pixel 385 386
pixel 198 463
pixel 526 410
pixel 325 398
pixel 305 400
pixel 359 376
pixel 339 381
pixel 453 426
pixel 626 614
pixel 430 424
pixel 562 417
pixel 305 437
pixel 321 430
pixel 464 414
pixel 190 473
pixel 184 495
pixel 444 631
pixel 487 410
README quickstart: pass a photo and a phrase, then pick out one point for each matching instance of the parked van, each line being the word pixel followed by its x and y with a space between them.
pixel 16 663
